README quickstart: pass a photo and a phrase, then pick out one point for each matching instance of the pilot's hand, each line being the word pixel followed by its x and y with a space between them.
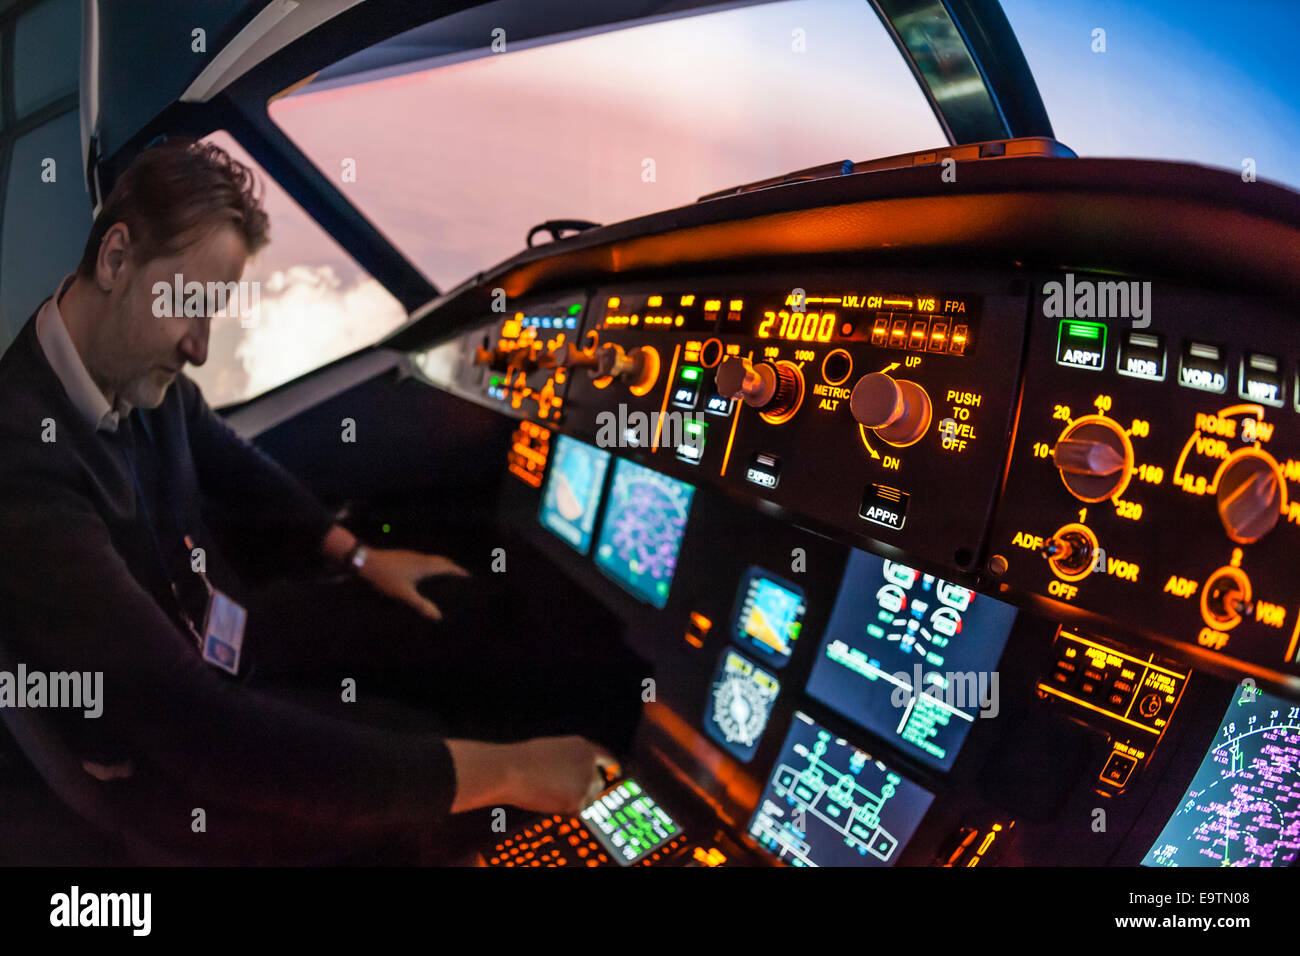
pixel 559 774
pixel 396 572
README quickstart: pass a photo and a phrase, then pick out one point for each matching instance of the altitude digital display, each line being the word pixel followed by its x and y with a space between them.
pixel 571 497
pixel 628 823
pixel 641 534
pixel 828 803
pixel 1242 807
pixel 911 657
pixel 769 615
pixel 740 704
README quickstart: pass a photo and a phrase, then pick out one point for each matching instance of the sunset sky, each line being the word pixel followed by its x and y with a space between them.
pixel 454 163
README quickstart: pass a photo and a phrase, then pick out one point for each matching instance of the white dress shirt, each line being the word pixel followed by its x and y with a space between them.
pixel 66 362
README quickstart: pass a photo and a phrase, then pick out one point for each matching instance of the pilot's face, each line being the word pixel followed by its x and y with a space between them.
pixel 140 352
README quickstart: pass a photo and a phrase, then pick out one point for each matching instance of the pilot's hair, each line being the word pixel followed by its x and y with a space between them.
pixel 175 194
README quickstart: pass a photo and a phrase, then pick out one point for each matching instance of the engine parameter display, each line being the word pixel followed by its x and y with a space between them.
pixel 911 657
pixel 827 803
pixel 571 497
pixel 1242 807
pixel 641 534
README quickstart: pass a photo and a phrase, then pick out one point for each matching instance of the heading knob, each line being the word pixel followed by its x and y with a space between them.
pixel 1249 495
pixel 897 409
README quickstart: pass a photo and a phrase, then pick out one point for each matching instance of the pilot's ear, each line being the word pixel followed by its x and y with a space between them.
pixel 112 256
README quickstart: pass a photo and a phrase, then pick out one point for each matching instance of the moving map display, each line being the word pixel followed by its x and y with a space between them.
pixel 641 534
pixel 769 615
pixel 827 803
pixel 740 703
pixel 911 657
pixel 1242 807
pixel 572 493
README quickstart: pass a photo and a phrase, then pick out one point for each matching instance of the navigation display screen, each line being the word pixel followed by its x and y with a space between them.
pixel 641 534
pixel 571 497
pixel 769 614
pixel 911 657
pixel 828 803
pixel 1242 807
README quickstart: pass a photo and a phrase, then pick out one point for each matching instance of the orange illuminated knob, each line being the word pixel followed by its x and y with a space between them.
pixel 1226 598
pixel 570 355
pixel 495 359
pixel 639 367
pixel 898 410
pixel 776 390
pixel 1249 495
pixel 1095 458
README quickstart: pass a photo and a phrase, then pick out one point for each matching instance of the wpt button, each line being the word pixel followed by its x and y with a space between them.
pixel 1081 345
pixel 884 505
pixel 1261 379
pixel 1204 368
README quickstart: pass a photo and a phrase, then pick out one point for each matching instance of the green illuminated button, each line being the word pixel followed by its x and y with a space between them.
pixel 1081 345
pixel 686 390
pixel 691 449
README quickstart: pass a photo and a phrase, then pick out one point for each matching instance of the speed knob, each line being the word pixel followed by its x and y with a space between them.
pixel 570 355
pixel 639 368
pixel 897 409
pixel 1095 458
pixel 1249 495
pixel 775 390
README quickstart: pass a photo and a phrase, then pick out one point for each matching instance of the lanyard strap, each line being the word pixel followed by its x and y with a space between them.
pixel 153 533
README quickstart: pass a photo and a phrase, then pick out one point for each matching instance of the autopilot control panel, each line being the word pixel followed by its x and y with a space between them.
pixel 938 562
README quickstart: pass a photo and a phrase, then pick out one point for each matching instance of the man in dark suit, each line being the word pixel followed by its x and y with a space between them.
pixel 109 462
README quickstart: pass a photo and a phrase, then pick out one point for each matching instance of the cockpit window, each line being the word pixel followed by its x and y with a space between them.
pixel 1174 79
pixel 456 156
pixel 308 303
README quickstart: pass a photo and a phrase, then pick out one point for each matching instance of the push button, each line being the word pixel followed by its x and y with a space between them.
pixel 1204 368
pixel 1261 380
pixel 1142 355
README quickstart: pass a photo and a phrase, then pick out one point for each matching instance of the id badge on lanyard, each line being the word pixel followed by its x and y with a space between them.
pixel 221 641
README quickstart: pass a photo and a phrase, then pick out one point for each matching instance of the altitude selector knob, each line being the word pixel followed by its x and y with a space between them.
pixel 1095 458
pixel 1249 496
pixel 897 409
pixel 775 390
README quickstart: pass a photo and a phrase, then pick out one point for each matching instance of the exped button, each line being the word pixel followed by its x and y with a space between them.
pixel 764 470
pixel 884 505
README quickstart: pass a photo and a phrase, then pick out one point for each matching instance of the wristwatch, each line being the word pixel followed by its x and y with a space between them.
pixel 356 559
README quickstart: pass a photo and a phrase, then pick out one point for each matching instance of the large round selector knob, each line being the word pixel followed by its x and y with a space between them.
pixel 775 390
pixel 1249 495
pixel 1095 458
pixel 897 409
